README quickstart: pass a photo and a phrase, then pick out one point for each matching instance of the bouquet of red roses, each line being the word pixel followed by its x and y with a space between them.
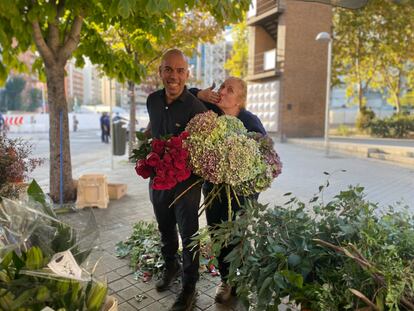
pixel 164 159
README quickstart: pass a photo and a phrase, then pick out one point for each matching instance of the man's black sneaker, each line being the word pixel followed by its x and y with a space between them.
pixel 185 300
pixel 168 275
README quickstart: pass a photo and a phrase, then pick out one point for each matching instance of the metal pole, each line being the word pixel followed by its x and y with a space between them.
pixel 111 128
pixel 61 157
pixel 328 97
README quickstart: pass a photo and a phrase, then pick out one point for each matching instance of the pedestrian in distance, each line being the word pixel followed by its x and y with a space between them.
pixel 105 124
pixel 75 123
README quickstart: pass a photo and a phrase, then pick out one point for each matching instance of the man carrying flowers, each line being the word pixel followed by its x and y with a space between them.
pixel 170 109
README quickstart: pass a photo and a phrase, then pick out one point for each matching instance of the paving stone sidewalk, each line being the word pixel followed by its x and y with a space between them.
pixel 302 174
pixel 115 224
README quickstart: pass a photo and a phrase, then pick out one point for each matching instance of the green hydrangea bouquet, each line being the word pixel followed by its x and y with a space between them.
pixel 225 154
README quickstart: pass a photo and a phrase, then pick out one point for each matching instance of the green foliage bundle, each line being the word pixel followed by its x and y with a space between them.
pixel 144 249
pixel 342 255
pixel 19 290
pixel 397 126
pixel 30 235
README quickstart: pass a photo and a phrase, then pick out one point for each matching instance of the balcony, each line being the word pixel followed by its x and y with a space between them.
pixel 263 11
pixel 264 66
pixel 263 6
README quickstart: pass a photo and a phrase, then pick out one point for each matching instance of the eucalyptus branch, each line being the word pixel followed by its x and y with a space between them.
pixel 185 191
pixel 344 251
pixel 364 299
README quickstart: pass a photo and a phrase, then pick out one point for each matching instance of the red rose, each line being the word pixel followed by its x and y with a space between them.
pixel 168 165
pixel 166 183
pixel 161 172
pixel 171 173
pixel 174 153
pixel 183 154
pixel 170 182
pixel 153 159
pixel 184 135
pixel 174 142
pixel 157 146
pixel 180 164
pixel 183 175
pixel 143 169
pixel 158 183
pixel 167 158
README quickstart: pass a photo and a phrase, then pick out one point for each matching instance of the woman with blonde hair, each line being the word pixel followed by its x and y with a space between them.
pixel 231 100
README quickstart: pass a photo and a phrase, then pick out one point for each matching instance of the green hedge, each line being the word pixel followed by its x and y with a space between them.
pixel 397 126
pixel 364 118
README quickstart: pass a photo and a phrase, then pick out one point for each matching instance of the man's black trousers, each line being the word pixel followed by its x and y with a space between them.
pixel 183 213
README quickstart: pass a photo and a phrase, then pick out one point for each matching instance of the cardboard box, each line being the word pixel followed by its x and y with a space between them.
pixel 92 191
pixel 117 191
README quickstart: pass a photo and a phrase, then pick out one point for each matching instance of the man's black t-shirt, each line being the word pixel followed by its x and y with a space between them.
pixel 172 118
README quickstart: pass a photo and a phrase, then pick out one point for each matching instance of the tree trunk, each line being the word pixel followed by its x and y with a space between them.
pixel 360 96
pixel 398 103
pixel 398 93
pixel 61 183
pixel 132 117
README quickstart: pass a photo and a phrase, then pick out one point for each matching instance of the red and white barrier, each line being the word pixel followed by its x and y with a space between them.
pixel 14 120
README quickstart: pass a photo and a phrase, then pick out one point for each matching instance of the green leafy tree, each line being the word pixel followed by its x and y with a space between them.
pixel 237 63
pixel 136 48
pixel 55 29
pixel 373 50
pixel 3 104
pixel 13 92
pixel 34 99
pixel 396 50
pixel 355 52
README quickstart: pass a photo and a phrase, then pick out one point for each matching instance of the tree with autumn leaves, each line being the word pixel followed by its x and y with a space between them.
pixel 57 29
pixel 125 46
pixel 373 49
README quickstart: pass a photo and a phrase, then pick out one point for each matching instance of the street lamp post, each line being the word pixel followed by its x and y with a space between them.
pixel 324 36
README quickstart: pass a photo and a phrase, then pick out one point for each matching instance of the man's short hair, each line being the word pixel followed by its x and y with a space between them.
pixel 173 51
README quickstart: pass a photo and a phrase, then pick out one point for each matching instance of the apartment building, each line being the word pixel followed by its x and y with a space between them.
pixel 74 85
pixel 287 67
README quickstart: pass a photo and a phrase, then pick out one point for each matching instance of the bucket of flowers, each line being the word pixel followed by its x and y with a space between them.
pixel 43 261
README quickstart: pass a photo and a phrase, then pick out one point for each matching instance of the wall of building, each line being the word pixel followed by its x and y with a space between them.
pixel 304 68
